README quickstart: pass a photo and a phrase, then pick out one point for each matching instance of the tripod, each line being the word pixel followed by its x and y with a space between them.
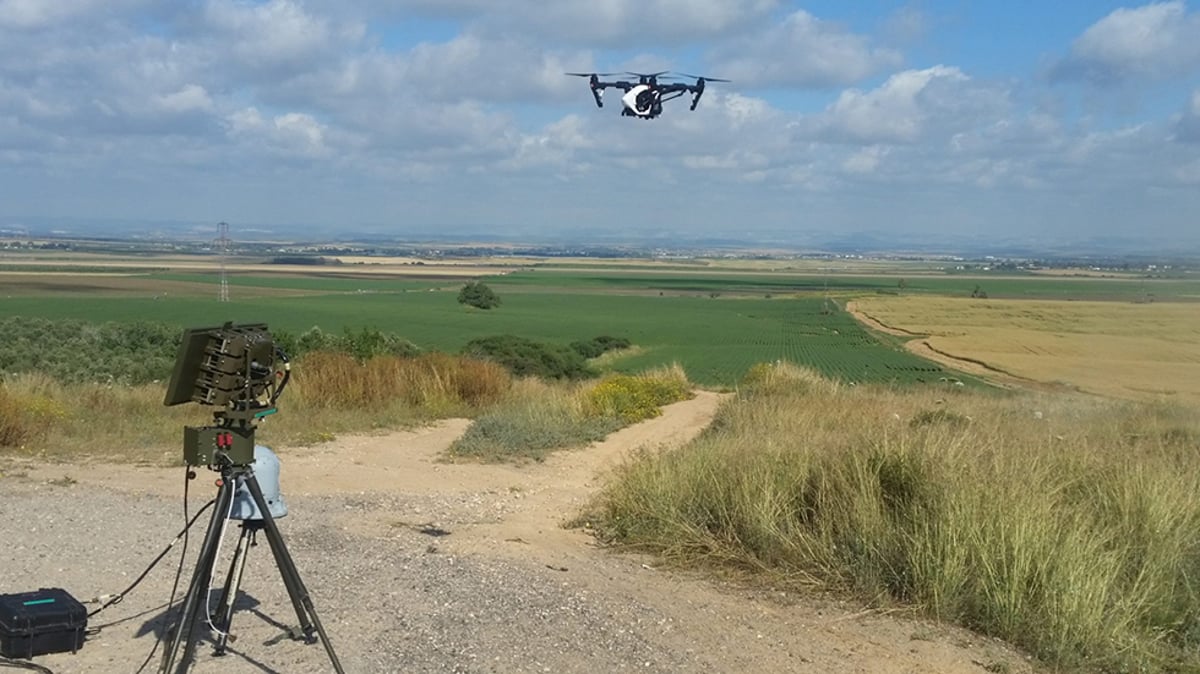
pixel 197 594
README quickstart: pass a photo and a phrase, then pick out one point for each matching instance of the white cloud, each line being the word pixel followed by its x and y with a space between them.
pixel 866 160
pixel 908 107
pixel 191 97
pixel 290 134
pixel 229 94
pixel 491 68
pixel 802 50
pixel 40 14
pixel 608 23
pixel 1153 41
pixel 278 38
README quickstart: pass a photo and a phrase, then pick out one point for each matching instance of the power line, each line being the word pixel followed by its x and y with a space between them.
pixel 223 251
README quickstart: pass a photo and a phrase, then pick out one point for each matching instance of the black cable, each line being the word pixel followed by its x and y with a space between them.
pixel 31 666
pixel 287 374
pixel 120 596
pixel 187 479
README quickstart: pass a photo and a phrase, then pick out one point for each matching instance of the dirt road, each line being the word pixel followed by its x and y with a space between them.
pixel 416 565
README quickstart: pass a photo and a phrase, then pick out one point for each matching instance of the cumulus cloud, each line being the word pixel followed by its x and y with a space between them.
pixel 467 66
pixel 866 160
pixel 276 37
pixel 213 90
pixel 291 133
pixel 802 50
pixel 1153 41
pixel 191 97
pixel 40 14
pixel 609 23
pixel 908 107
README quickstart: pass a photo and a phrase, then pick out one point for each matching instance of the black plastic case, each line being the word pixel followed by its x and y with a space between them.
pixel 35 623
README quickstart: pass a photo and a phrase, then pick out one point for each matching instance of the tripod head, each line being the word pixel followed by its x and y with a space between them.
pixel 240 370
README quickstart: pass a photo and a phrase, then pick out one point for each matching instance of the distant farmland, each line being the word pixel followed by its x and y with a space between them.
pixel 715 322
pixel 715 337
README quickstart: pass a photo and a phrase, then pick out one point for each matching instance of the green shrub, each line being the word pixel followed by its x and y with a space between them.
pixel 536 418
pixel 527 358
pixel 478 295
pixel 540 417
pixel 75 351
pixel 598 346
pixel 364 344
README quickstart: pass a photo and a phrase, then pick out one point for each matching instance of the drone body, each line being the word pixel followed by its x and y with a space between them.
pixel 644 99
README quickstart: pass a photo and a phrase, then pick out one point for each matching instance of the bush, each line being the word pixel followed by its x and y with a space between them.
pixel 530 426
pixel 598 346
pixel 24 418
pixel 75 351
pixel 527 358
pixel 539 417
pixel 634 398
pixel 478 295
pixel 363 345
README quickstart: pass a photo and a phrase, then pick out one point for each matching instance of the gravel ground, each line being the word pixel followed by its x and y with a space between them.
pixel 390 603
pixel 415 565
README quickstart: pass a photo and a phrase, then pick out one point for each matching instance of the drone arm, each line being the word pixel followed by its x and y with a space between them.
pixel 598 88
pixel 697 92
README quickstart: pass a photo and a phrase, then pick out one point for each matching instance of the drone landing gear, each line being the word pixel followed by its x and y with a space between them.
pixel 181 632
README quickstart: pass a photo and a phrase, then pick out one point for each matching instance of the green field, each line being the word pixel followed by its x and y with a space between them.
pixel 995 285
pixel 715 339
pixel 714 323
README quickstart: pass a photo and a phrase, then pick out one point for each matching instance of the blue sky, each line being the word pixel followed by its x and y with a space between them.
pixel 1016 121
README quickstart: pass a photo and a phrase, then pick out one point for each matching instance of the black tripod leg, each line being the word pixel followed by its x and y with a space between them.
pixel 224 613
pixel 181 632
pixel 301 601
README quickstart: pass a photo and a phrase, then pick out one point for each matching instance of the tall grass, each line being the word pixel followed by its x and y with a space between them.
pixel 1066 526
pixel 539 417
pixel 329 394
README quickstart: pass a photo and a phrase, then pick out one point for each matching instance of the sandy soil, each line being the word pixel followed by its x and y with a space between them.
pixel 491 581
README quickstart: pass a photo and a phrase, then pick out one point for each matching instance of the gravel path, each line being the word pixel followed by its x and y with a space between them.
pixel 392 603
pixel 419 566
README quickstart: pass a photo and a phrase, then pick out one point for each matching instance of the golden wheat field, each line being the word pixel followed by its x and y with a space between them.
pixel 1133 351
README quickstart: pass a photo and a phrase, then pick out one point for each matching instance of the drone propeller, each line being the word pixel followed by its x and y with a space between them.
pixel 592 74
pixel 701 78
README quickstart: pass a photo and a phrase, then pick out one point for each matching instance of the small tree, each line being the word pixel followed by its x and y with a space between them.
pixel 478 295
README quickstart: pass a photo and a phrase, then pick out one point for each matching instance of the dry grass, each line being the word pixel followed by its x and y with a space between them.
pixel 1063 524
pixel 1131 351
pixel 537 417
pixel 329 394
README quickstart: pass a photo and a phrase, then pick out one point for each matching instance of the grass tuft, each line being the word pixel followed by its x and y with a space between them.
pixel 328 395
pixel 538 418
pixel 1064 525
